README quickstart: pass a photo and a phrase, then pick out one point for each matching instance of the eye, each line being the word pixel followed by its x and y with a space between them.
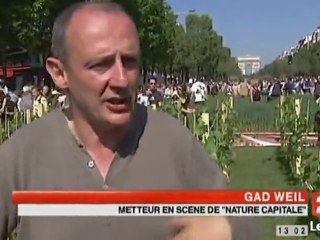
pixel 129 62
pixel 102 66
pixel 99 68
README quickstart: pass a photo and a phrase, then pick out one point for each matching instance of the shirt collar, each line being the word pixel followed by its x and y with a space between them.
pixel 130 142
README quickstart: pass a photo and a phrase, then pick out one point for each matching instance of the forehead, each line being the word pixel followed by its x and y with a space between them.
pixel 96 32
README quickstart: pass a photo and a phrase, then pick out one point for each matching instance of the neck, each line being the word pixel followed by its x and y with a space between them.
pixel 94 136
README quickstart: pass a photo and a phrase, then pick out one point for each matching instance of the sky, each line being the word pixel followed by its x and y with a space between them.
pixel 263 28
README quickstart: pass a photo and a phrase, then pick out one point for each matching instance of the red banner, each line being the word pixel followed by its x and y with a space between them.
pixel 160 197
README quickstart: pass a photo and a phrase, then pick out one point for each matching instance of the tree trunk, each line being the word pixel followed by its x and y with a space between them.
pixel 144 72
pixel 165 74
pixel 41 59
pixel 4 63
pixel 171 70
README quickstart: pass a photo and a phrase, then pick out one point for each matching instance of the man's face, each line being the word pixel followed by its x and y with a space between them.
pixel 152 84
pixel 35 92
pixel 45 90
pixel 103 50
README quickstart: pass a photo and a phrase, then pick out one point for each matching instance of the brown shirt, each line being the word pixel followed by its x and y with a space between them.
pixel 158 153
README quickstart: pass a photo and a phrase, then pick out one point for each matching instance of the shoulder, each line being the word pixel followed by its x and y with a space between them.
pixel 161 126
pixel 43 99
pixel 35 132
pixel 184 151
pixel 166 129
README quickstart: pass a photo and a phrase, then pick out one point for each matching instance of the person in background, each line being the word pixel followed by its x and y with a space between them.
pixel 275 90
pixel 154 96
pixel 58 99
pixel 201 88
pixel 316 122
pixel 185 101
pixel 46 91
pixel 11 106
pixel 142 97
pixel 25 101
pixel 40 103
pixel 168 92
pixel 243 88
pixel 3 102
pixel 199 92
pixel 3 86
pixel 7 104
pixel 317 89
pixel 255 92
pixel 288 87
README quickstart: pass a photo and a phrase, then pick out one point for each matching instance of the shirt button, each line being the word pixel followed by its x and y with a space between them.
pixel 91 164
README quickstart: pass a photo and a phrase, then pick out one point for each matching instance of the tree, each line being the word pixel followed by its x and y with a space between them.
pixel 204 53
pixel 304 62
pixel 30 24
pixel 167 47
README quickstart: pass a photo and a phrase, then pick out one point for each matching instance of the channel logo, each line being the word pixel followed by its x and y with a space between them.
pixel 316 204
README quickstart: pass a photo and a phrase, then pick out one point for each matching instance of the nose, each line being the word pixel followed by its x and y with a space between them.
pixel 119 77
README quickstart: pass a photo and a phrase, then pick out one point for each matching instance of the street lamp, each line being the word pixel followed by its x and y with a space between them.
pixel 185 12
pixel 179 14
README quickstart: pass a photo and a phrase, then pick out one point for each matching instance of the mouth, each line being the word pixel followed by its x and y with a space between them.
pixel 119 104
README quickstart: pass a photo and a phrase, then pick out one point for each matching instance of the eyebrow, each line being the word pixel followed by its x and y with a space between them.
pixel 98 60
pixel 110 56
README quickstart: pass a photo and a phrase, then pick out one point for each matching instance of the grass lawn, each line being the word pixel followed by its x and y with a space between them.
pixel 257 169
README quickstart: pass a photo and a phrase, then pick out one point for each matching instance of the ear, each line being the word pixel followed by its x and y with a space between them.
pixel 57 72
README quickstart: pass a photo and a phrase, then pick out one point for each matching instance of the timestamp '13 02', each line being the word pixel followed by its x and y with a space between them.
pixel 292 230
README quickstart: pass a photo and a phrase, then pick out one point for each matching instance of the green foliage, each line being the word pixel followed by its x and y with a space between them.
pixel 167 47
pixel 170 107
pixel 31 23
pixel 200 51
pixel 297 162
pixel 315 173
pixel 305 62
pixel 220 142
pixel 293 154
pixel 217 137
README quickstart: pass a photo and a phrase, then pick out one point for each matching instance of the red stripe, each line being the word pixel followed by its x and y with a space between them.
pixel 155 197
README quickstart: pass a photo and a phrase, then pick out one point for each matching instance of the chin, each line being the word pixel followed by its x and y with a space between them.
pixel 119 119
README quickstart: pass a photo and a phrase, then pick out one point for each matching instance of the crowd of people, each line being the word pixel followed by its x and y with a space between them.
pixel 185 95
pixel 39 100
pixel 198 90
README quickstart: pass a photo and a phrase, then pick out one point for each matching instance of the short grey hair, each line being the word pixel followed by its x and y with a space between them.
pixel 59 47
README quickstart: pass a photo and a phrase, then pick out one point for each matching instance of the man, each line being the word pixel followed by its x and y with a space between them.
pixel 3 86
pixel 244 88
pixel 25 102
pixel 46 91
pixel 103 141
pixel 154 96
pixel 199 91
pixel 40 103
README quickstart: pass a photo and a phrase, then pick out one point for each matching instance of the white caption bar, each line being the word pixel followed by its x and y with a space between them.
pixel 161 210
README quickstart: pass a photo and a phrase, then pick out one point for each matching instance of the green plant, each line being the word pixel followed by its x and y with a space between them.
pixel 170 107
pixel 216 131
pixel 219 144
pixel 293 130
